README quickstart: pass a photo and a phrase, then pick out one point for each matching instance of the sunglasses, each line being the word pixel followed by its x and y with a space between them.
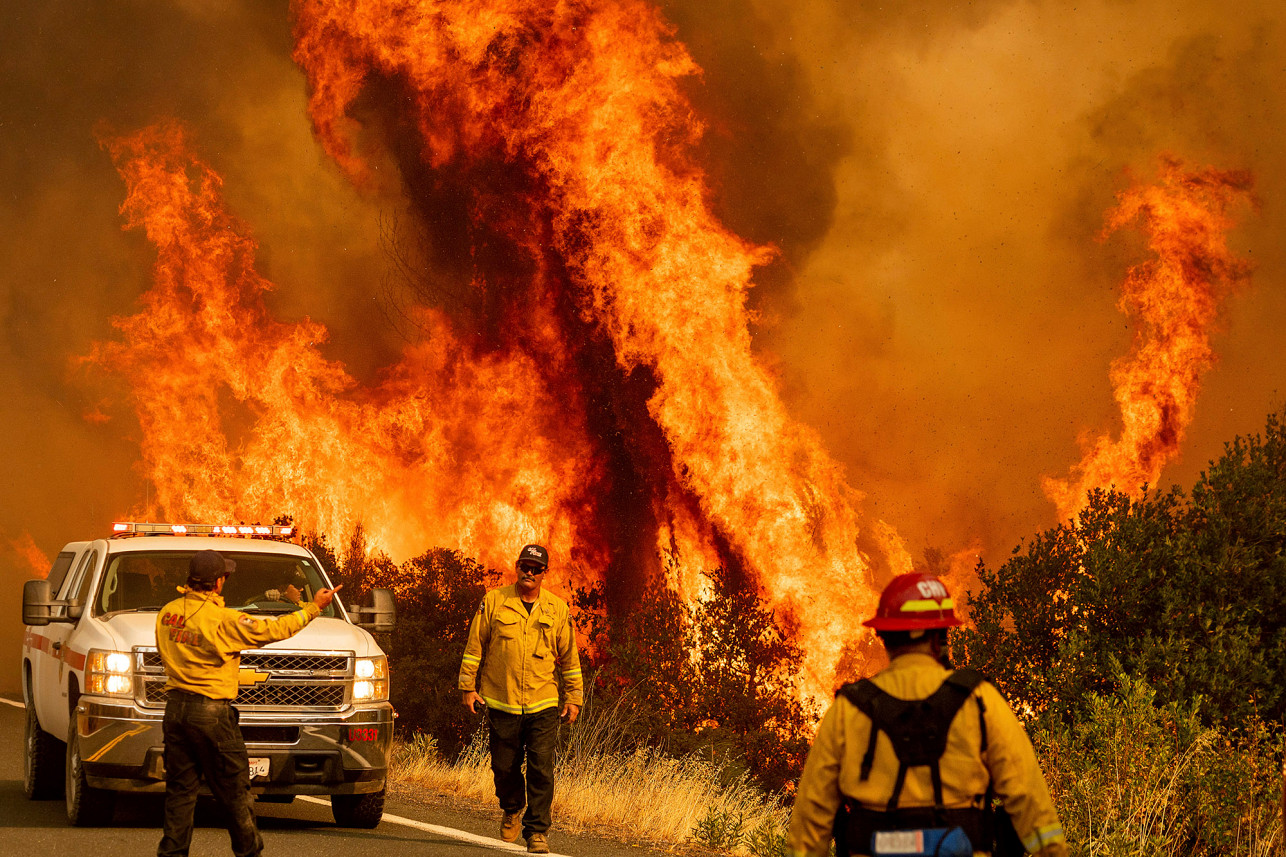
pixel 531 568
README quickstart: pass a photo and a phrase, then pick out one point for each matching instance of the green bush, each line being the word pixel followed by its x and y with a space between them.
pixel 719 830
pixel 1146 642
pixel 1133 778
pixel 1185 592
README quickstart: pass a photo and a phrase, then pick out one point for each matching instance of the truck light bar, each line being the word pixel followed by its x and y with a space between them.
pixel 137 528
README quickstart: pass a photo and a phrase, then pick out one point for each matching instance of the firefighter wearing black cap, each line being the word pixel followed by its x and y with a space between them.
pixel 200 642
pixel 519 636
pixel 908 762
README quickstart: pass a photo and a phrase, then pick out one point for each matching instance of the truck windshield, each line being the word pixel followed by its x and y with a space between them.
pixel 262 583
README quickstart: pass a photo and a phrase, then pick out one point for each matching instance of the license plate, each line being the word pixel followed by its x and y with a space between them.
pixel 258 768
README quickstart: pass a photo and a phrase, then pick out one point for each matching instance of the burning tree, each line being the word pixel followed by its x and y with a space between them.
pixel 589 382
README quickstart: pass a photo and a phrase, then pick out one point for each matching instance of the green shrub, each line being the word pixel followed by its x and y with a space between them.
pixel 719 829
pixel 1183 590
pixel 768 839
pixel 1133 778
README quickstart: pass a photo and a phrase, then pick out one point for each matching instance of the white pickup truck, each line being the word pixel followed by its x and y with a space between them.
pixel 314 708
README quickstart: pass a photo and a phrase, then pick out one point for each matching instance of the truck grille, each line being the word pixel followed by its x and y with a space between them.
pixel 318 680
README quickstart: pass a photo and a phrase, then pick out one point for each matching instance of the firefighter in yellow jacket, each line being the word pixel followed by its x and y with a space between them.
pixel 520 639
pixel 908 762
pixel 200 642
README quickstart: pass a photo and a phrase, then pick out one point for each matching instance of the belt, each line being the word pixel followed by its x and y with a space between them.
pixel 188 694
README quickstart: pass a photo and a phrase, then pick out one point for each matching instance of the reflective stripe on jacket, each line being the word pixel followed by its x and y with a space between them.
pixel 833 769
pixel 517 653
pixel 200 640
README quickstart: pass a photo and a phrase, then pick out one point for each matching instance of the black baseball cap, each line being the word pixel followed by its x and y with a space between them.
pixel 209 566
pixel 534 553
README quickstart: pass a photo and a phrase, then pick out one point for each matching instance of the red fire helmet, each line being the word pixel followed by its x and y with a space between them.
pixel 912 602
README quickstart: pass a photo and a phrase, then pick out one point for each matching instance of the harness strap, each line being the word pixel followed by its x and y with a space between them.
pixel 989 797
pixel 982 723
pixel 910 724
pixel 897 788
pixel 864 695
pixel 935 776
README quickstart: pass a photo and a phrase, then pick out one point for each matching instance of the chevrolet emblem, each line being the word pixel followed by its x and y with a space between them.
pixel 248 676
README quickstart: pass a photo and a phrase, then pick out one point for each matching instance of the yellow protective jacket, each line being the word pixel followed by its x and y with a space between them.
pixel 833 769
pixel 200 640
pixel 511 656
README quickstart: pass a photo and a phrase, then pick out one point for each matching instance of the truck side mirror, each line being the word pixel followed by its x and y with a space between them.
pixel 35 602
pixel 379 613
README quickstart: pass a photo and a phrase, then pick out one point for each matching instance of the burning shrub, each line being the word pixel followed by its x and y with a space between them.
pixel 718 678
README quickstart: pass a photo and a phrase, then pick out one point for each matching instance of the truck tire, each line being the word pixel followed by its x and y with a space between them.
pixel 86 805
pixel 358 810
pixel 42 777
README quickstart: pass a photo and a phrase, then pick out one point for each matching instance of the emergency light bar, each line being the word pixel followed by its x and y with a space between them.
pixel 136 528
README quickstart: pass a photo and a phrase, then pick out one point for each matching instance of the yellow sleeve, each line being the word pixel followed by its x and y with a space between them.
pixel 812 821
pixel 243 629
pixel 1018 780
pixel 569 664
pixel 479 634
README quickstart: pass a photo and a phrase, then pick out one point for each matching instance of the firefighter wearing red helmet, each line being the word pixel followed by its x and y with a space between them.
pixel 908 762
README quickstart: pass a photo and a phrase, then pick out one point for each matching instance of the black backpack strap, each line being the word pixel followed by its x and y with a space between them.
pixel 959 686
pixel 917 729
pixel 989 797
pixel 865 695
pixel 982 723
pixel 966 679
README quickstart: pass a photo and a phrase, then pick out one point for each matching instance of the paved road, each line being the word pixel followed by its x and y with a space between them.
pixel 304 828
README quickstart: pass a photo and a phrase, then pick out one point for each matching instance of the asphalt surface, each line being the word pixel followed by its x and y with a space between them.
pixel 304 828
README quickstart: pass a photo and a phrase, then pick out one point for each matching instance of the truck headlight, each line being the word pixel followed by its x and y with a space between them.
pixel 109 673
pixel 371 679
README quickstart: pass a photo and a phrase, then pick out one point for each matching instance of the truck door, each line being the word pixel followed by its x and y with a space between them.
pixel 37 638
pixel 51 670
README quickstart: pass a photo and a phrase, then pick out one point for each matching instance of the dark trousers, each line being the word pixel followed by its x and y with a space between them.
pixel 203 740
pixel 512 737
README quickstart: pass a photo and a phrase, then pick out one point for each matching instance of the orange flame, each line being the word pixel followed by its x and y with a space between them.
pixel 207 364
pixel 623 419
pixel 582 100
pixel 1172 302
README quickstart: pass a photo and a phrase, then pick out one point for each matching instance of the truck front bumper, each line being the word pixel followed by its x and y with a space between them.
pixel 344 752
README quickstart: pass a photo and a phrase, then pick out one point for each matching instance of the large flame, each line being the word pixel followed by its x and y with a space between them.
pixel 1172 302
pixel 592 384
pixel 242 417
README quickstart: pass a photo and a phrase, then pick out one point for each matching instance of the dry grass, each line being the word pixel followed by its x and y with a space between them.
pixel 1129 780
pixel 637 794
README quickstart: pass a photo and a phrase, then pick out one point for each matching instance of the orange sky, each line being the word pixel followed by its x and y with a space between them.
pixel 940 311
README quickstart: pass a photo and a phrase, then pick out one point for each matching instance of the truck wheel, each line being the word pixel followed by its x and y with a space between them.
pixel 41 777
pixel 86 805
pixel 358 810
